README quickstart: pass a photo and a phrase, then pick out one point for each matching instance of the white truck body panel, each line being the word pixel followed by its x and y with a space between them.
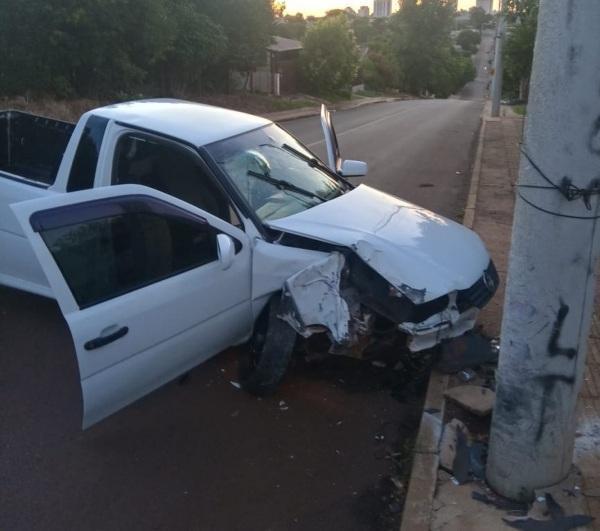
pixel 173 325
pixel 406 244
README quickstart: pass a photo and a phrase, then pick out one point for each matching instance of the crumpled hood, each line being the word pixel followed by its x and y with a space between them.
pixel 404 243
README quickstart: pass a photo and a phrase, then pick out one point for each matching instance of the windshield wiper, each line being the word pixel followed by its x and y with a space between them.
pixel 285 185
pixel 313 162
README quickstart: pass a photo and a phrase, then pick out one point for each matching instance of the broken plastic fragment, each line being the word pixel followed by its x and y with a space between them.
pixel 467 375
pixel 312 298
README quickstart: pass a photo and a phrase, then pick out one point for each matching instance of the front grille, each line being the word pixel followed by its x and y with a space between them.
pixel 480 293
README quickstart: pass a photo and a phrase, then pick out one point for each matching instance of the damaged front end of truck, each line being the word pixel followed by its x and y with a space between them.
pixel 345 298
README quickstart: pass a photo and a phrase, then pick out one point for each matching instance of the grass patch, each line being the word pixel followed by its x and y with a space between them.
pixel 369 93
pixel 521 110
pixel 284 104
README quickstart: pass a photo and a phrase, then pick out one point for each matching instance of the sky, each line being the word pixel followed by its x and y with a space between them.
pixel 318 7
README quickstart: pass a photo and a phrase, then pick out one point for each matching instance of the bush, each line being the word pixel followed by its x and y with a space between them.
pixel 329 59
pixel 469 40
pixel 100 48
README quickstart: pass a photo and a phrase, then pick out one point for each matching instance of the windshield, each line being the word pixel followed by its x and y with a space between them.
pixel 275 173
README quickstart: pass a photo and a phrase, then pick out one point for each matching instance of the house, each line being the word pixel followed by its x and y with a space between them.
pixel 281 73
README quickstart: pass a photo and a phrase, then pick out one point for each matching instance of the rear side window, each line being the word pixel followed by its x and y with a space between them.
pixel 104 258
pixel 85 162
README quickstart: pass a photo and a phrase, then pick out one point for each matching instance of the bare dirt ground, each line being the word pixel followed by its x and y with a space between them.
pixel 71 110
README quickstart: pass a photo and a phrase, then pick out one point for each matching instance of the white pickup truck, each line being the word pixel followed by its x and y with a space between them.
pixel 168 231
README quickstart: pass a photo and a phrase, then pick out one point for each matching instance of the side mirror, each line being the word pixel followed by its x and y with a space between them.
pixel 226 250
pixel 354 168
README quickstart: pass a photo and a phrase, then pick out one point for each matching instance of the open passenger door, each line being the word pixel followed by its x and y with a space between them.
pixel 149 285
pixel 334 160
pixel 345 168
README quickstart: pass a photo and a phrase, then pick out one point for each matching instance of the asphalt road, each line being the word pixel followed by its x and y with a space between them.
pixel 200 454
pixel 419 150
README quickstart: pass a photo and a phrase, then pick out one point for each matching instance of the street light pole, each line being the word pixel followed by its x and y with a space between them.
pixel 498 66
pixel 551 281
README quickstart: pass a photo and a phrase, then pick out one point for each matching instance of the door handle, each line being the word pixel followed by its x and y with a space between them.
pixel 101 341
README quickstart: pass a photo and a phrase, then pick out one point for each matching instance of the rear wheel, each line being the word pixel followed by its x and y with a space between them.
pixel 269 353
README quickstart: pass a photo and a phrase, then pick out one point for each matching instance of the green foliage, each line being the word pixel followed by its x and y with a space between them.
pixel 333 13
pixel 196 43
pixel 248 25
pixel 363 30
pixel 291 27
pixel 425 55
pixel 521 10
pixel 329 58
pixel 468 40
pixel 479 17
pixel 518 49
pixel 379 69
pixel 108 48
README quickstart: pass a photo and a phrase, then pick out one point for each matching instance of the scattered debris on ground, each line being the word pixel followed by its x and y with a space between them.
pixel 504 504
pixel 449 442
pixel 466 352
pixel 471 362
pixel 473 398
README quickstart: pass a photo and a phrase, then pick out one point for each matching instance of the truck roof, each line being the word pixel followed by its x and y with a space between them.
pixel 195 123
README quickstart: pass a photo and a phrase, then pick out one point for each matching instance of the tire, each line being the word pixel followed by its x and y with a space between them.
pixel 270 352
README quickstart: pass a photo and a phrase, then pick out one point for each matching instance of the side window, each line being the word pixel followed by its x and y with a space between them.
pixel 84 165
pixel 109 256
pixel 170 168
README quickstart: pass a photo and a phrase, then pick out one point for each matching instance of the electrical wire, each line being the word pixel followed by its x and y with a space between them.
pixel 566 188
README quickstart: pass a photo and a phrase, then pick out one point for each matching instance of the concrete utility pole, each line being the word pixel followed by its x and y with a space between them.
pixel 550 287
pixel 498 66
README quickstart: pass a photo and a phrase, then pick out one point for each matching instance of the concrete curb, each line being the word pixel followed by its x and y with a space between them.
pixel 305 112
pixel 469 217
pixel 423 475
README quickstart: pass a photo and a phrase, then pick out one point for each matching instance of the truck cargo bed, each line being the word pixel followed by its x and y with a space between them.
pixel 32 147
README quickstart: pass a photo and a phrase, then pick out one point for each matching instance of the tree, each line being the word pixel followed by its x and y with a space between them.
pixel 427 61
pixel 68 47
pixel 118 48
pixel 468 40
pixel 478 18
pixel 291 27
pixel 278 8
pixel 521 10
pixel 335 13
pixel 363 30
pixel 518 50
pixel 329 58
pixel 195 44
pixel 248 26
pixel 379 68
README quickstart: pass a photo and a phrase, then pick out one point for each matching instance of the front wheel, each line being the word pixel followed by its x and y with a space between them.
pixel 270 352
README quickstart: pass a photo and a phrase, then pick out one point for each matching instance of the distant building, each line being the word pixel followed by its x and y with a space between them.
pixel 364 11
pixel 486 5
pixel 382 8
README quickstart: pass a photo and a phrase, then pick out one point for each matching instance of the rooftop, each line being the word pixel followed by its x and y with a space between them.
pixel 281 44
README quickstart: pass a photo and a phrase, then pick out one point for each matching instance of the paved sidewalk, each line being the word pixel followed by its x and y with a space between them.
pixel 305 112
pixel 452 507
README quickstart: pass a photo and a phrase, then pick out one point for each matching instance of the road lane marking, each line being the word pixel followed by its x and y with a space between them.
pixel 368 124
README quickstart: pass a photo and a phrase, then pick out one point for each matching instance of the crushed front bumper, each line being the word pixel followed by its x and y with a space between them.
pixel 458 317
